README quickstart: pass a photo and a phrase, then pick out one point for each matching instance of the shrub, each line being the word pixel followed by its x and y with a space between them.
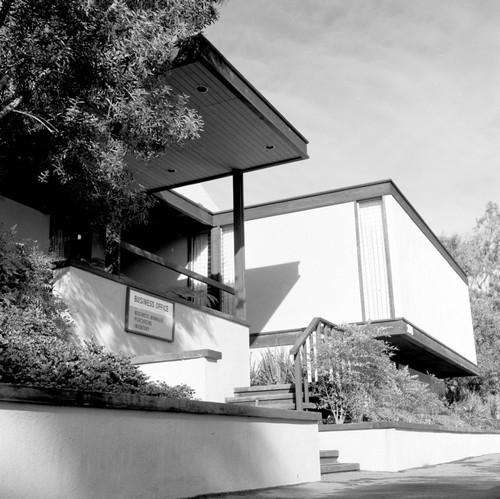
pixel 357 381
pixel 275 367
pixel 27 303
pixel 48 361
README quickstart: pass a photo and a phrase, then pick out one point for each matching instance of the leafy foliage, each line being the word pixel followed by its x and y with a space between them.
pixel 275 367
pixel 357 381
pixel 479 256
pixel 84 83
pixel 27 303
pixel 35 346
pixel 48 361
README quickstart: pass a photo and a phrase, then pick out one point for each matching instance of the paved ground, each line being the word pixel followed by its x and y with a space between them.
pixel 473 478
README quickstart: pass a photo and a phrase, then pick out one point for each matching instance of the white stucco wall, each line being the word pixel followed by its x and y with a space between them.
pixel 51 452
pixel 201 374
pixel 98 307
pixel 30 223
pixel 301 265
pixel 427 290
pixel 395 449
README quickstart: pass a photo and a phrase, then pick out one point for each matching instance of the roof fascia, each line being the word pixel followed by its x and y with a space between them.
pixel 422 225
pixel 418 337
pixel 224 175
pixel 215 62
pixel 199 49
pixel 340 196
pixel 308 202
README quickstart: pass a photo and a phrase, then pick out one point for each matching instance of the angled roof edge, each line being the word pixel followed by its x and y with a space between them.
pixel 340 196
pixel 199 48
pixel 398 333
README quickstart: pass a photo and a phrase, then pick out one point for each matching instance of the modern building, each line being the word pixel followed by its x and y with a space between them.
pixel 356 255
pixel 187 306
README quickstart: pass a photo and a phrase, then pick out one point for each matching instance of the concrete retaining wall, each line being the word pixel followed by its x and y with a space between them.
pixel 400 446
pixel 62 444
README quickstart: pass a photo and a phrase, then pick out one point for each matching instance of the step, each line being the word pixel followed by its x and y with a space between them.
pixel 329 456
pixel 338 468
pixel 249 390
pixel 262 397
pixel 275 404
pixel 329 464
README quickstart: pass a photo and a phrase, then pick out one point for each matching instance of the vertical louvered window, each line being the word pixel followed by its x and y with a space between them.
pixel 373 260
pixel 227 267
pixel 200 263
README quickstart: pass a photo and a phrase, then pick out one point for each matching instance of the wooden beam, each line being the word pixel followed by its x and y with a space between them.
pixel 186 206
pixel 177 268
pixel 239 245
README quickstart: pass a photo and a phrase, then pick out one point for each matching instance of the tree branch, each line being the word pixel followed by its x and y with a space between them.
pixel 47 125
pixel 4 10
pixel 10 107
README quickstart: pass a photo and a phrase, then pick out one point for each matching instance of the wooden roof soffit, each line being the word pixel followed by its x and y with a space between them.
pixel 242 130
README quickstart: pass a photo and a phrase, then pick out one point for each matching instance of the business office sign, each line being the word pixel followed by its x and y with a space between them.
pixel 149 315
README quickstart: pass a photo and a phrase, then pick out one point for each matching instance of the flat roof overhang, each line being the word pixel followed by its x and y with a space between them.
pixel 420 351
pixel 242 130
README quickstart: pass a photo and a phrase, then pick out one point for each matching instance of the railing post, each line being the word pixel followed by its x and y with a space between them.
pixel 298 381
pixel 317 327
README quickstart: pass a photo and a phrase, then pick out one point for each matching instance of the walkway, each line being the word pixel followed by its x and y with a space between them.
pixel 473 478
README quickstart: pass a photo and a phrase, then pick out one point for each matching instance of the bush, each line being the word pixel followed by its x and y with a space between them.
pixel 27 303
pixel 48 361
pixel 35 346
pixel 357 381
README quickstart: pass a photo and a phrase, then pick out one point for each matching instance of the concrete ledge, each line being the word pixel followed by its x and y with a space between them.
pixel 205 353
pixel 400 425
pixel 397 446
pixel 73 398
pixel 58 444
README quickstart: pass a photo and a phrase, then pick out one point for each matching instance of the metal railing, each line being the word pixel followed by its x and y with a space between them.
pixel 304 354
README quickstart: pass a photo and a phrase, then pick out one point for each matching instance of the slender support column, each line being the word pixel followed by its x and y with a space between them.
pixel 239 245
pixel 215 264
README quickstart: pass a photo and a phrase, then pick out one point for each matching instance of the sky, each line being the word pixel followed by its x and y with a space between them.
pixel 401 89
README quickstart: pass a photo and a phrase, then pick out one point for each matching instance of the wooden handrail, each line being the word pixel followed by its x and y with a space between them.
pixel 177 268
pixel 305 334
pixel 300 355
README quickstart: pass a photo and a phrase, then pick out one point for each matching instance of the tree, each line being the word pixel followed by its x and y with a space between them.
pixel 83 84
pixel 479 256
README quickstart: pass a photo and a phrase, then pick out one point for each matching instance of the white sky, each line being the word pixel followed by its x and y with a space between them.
pixel 401 89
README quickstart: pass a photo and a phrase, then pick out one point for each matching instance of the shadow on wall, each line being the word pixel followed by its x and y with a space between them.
pixel 267 287
pixel 98 306
pixel 123 458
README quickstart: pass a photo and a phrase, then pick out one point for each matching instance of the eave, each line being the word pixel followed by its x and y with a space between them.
pixel 242 130
pixel 421 351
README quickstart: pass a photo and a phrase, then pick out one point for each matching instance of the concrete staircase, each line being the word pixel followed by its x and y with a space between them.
pixel 275 396
pixel 329 463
